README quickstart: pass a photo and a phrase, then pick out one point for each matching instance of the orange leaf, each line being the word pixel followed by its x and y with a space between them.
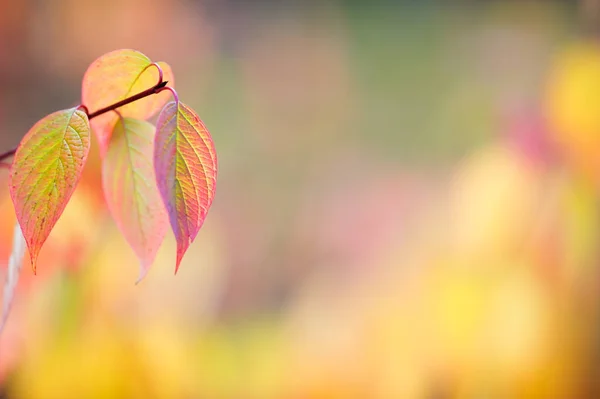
pixel 45 171
pixel 186 171
pixel 130 189
pixel 114 77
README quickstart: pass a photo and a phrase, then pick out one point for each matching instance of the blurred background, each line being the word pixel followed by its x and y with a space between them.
pixel 408 204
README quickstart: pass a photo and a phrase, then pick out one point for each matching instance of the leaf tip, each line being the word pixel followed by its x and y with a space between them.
pixel 34 264
pixel 177 264
pixel 182 247
pixel 144 268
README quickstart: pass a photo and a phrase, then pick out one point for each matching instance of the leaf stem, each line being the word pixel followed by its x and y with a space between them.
pixel 173 92
pixel 161 85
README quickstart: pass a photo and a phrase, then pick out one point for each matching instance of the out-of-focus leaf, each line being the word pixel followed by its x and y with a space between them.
pixel 45 171
pixel 185 161
pixel 130 189
pixel 116 76
pixel 14 269
pixel 572 105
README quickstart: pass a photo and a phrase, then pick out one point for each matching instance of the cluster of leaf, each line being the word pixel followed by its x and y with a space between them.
pixel 151 175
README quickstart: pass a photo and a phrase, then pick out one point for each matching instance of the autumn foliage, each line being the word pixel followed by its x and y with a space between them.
pixel 178 154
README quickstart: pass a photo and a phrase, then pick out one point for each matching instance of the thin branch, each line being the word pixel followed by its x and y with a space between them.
pixel 153 90
pixel 8 154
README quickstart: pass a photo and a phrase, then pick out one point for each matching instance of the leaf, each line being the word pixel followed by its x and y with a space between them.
pixel 114 77
pixel 15 261
pixel 185 161
pixel 45 171
pixel 130 189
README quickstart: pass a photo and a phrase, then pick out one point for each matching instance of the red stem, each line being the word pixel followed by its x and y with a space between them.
pixel 173 92
pixel 8 154
pixel 153 90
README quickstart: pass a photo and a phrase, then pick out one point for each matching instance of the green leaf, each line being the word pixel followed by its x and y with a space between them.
pixel 45 171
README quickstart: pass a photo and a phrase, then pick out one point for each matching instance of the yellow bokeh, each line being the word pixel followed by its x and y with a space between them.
pixel 573 104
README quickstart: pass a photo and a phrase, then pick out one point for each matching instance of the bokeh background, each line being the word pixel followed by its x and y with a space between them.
pixel 408 204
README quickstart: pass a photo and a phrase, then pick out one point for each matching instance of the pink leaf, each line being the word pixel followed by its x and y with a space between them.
pixel 45 171
pixel 185 161
pixel 130 189
pixel 116 76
